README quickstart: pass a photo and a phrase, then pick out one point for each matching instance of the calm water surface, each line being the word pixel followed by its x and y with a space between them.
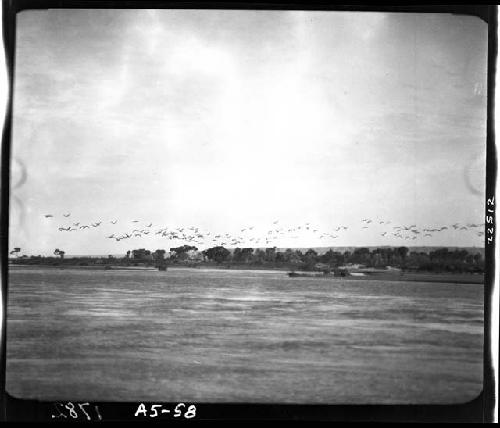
pixel 240 336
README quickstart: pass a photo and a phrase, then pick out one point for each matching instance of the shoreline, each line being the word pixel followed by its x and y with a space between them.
pixel 382 275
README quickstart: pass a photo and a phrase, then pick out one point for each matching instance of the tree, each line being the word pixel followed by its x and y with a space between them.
pixel 184 249
pixel 296 257
pixel 259 256
pixel 141 254
pixel 159 258
pixel 270 254
pixel 287 255
pixel 477 258
pixel 237 255
pixel 402 252
pixel 246 254
pixel 280 257
pixel 310 258
pixel 242 255
pixel 330 257
pixel 180 253
pixel 218 254
pixel 159 255
pixel 59 253
pixel 15 251
pixel 361 255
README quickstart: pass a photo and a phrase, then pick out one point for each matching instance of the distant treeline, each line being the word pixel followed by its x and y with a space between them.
pixel 440 260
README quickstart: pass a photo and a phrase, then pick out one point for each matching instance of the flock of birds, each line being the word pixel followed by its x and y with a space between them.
pixel 251 236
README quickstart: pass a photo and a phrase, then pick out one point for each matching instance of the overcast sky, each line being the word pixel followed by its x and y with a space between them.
pixel 229 119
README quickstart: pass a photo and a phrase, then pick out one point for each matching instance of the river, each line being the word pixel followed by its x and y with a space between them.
pixel 203 335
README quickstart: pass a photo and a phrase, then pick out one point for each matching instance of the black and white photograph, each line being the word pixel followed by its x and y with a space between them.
pixel 247 206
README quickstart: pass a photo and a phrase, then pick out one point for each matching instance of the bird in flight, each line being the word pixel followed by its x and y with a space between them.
pixel 48 215
pixel 66 215
pixel 113 222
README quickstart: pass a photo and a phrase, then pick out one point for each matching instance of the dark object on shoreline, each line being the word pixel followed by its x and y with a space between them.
pixel 108 268
pixel 341 272
pixel 325 273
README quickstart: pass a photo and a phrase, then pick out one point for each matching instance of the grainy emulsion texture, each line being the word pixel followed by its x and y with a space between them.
pixel 240 336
